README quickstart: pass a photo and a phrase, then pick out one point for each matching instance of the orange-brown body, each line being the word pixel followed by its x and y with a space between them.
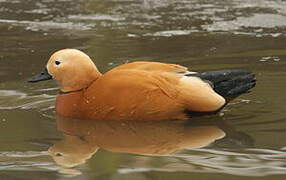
pixel 140 91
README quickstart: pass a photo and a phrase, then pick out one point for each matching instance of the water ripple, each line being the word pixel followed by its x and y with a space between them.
pixel 249 162
pixel 12 99
pixel 238 17
pixel 44 25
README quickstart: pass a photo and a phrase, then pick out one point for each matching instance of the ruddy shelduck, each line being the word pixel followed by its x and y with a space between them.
pixel 139 90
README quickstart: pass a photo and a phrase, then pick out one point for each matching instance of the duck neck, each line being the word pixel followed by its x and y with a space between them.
pixel 78 83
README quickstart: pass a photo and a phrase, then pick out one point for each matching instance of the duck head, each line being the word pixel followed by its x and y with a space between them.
pixel 71 68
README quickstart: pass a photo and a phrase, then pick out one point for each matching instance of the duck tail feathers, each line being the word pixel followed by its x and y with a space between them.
pixel 229 83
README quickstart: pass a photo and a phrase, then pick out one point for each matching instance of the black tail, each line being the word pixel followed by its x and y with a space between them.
pixel 229 83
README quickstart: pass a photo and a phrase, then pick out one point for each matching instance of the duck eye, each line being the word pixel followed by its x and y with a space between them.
pixel 57 62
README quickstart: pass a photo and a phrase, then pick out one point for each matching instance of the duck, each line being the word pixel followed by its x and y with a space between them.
pixel 139 90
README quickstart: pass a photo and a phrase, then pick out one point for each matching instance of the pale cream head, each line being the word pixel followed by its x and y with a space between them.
pixel 72 69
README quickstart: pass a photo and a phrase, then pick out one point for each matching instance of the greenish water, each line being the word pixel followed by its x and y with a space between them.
pixel 247 141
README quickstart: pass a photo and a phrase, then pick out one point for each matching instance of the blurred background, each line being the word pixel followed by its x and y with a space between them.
pixel 200 34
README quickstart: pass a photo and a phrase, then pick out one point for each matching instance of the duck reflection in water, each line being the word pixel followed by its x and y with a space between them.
pixel 82 138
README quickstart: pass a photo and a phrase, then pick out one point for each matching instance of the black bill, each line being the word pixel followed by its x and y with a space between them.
pixel 41 77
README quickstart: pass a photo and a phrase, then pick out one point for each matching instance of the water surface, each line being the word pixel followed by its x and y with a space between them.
pixel 247 140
